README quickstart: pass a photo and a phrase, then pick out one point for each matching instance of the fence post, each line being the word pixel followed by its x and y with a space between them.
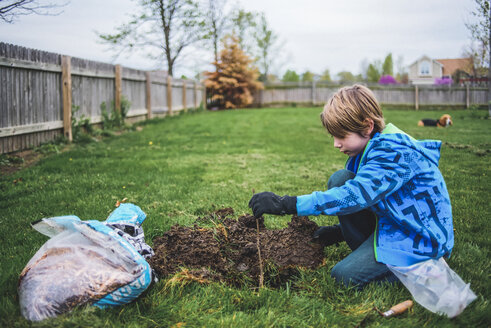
pixel 416 97
pixel 66 81
pixel 467 96
pixel 184 96
pixel 313 93
pixel 117 88
pixel 169 95
pixel 148 95
pixel 204 97
pixel 195 95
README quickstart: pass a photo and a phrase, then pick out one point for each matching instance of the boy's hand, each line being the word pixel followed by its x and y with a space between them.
pixel 270 203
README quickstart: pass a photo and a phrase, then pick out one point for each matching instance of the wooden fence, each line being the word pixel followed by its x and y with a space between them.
pixel 38 90
pixel 312 93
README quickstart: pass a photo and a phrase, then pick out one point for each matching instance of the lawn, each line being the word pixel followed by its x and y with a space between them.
pixel 180 167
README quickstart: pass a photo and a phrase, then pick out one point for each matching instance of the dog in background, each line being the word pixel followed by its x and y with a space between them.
pixel 443 122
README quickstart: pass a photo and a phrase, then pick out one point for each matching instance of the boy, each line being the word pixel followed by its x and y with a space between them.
pixel 391 200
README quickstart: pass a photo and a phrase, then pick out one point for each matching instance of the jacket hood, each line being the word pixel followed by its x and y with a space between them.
pixel 428 148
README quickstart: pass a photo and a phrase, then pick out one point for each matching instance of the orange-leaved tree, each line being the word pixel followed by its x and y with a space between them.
pixel 235 79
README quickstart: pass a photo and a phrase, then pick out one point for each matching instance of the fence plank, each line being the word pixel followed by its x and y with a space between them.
pixel 195 94
pixel 203 97
pixel 169 95
pixel 25 64
pixel 37 127
pixel 67 97
pixel 148 95
pixel 184 107
pixel 117 88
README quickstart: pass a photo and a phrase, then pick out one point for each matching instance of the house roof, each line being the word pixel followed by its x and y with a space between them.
pixel 451 65
pixel 427 58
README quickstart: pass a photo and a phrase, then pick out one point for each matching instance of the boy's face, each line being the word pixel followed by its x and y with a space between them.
pixel 352 144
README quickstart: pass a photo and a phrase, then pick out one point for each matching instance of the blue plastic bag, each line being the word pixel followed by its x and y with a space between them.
pixel 85 262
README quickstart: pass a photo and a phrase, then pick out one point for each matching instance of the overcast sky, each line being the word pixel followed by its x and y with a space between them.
pixel 315 34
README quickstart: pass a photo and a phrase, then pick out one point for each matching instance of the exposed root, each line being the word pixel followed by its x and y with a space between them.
pixel 258 244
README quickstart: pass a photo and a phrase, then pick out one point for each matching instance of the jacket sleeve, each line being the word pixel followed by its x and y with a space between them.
pixel 385 171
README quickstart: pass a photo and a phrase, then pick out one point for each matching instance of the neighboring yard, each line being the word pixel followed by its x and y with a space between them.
pixel 182 167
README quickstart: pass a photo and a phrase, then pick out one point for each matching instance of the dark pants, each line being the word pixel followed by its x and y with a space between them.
pixel 359 268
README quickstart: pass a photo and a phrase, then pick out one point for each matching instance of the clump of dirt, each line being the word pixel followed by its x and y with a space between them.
pixel 228 250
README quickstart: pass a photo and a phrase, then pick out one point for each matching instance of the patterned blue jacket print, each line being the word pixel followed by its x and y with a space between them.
pixel 398 178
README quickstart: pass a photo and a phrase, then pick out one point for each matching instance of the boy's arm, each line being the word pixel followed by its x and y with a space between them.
pixel 385 172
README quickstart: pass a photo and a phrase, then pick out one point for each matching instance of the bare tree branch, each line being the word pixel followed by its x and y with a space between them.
pixel 168 26
pixel 10 10
pixel 217 23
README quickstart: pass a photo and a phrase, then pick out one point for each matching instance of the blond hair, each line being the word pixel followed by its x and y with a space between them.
pixel 348 110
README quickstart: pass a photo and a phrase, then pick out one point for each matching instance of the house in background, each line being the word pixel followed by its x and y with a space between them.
pixel 425 70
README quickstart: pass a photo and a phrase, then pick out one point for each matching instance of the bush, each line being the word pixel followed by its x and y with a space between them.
pixel 387 79
pixel 443 81
pixel 114 118
pixel 81 126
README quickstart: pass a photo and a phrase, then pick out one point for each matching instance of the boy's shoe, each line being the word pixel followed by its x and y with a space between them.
pixel 328 235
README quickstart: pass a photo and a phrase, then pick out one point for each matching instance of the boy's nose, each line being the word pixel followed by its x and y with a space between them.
pixel 337 144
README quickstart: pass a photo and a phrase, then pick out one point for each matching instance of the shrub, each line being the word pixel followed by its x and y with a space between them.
pixel 290 76
pixel 114 118
pixel 387 79
pixel 443 81
pixel 81 127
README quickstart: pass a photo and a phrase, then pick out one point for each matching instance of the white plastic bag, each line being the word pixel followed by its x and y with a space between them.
pixel 84 262
pixel 435 286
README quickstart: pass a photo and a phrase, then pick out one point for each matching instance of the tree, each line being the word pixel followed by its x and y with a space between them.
pixel 403 78
pixel 388 66
pixel 459 75
pixel 481 33
pixel 216 23
pixel 346 77
pixel 326 76
pixel 290 76
pixel 374 71
pixel 166 25
pixel 478 54
pixel 234 80
pixel 363 68
pixel 266 41
pixel 307 76
pixel 9 10
pixel 401 74
pixel 243 22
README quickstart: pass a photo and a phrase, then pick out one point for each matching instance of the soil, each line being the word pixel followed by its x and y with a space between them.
pixel 24 159
pixel 228 250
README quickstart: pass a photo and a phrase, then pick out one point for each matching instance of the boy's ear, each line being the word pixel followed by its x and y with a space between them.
pixel 370 126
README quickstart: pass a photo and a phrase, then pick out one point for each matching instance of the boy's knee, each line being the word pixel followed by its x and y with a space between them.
pixel 339 178
pixel 343 274
pixel 348 273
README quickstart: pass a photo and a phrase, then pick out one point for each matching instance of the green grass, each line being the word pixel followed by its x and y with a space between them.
pixel 180 167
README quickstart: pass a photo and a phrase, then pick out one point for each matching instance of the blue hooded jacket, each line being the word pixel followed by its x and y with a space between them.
pixel 399 180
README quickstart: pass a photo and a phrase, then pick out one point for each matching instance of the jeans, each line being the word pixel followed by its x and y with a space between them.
pixel 359 268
